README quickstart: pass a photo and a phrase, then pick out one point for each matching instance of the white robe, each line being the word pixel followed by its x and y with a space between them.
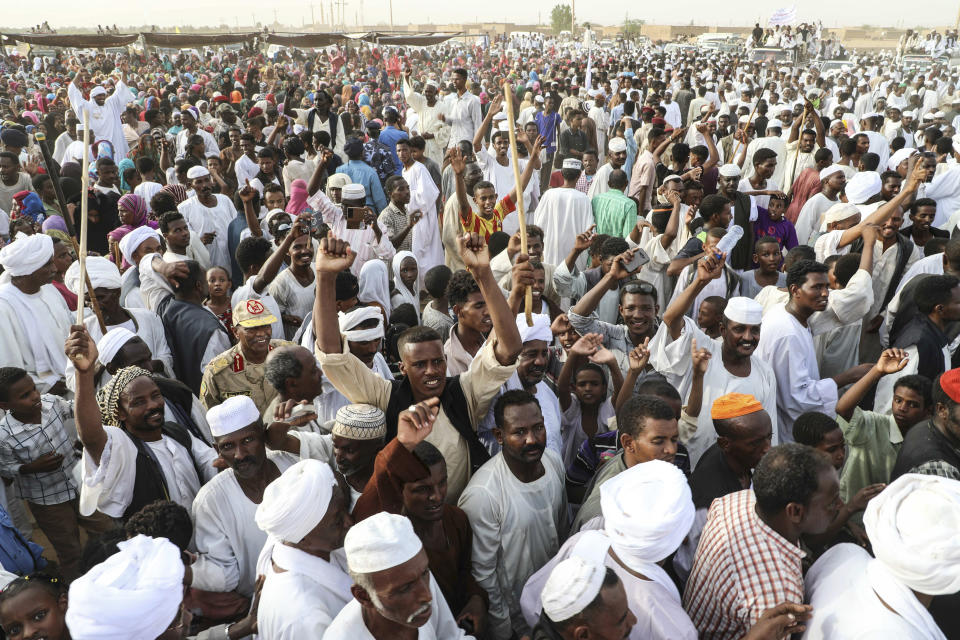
pixel 293 298
pixel 517 528
pixel 842 587
pixel 659 611
pixel 227 536
pixel 301 601
pixel 203 219
pixel 426 233
pixel 349 624
pixel 809 219
pixel 34 326
pixel 562 214
pixel 429 122
pixel 775 143
pixel 104 120
pixel 672 359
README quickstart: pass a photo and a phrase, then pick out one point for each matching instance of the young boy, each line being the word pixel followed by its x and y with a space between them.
pixel 37 437
pixel 436 314
pixel 771 222
pixel 710 315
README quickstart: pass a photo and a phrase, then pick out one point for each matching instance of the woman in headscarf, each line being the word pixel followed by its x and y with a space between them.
pixel 374 283
pixel 335 185
pixel 406 278
pixel 145 147
pixel 122 167
pixel 178 191
pixel 27 204
pixel 133 213
pixel 298 198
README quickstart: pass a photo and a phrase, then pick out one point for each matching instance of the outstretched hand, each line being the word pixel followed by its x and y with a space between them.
pixel 416 423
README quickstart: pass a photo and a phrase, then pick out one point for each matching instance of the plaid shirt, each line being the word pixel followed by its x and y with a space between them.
pixel 22 443
pixel 742 568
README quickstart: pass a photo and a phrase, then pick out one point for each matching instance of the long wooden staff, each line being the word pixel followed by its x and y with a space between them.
pixel 71 231
pixel 733 155
pixel 521 216
pixel 85 185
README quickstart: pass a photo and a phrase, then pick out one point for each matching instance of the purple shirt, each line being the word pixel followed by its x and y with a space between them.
pixel 783 230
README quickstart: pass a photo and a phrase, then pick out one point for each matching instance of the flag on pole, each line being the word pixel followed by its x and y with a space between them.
pixel 588 80
pixel 784 16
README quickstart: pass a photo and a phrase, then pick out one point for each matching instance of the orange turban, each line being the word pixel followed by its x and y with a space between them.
pixel 950 383
pixel 734 405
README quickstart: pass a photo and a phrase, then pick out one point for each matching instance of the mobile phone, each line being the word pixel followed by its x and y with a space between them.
pixel 354 217
pixel 640 258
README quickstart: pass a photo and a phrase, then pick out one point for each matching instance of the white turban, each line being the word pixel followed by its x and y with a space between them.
pixel 353 191
pixel 899 156
pixel 103 274
pixel 26 254
pixel 380 542
pixel 197 172
pixel 233 414
pixel 648 511
pixel 616 145
pixel 111 343
pixel 97 91
pixel 863 186
pixel 539 331
pixel 132 241
pixel 295 503
pixel 829 171
pixel 572 585
pixel 730 170
pixel 912 526
pixel 743 310
pixel 133 595
pixel 838 212
pixel 358 316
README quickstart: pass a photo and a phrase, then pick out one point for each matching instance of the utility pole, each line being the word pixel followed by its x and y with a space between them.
pixel 573 18
pixel 391 15
pixel 274 16
pixel 313 20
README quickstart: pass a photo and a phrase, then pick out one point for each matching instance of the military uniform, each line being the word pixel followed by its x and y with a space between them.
pixel 230 374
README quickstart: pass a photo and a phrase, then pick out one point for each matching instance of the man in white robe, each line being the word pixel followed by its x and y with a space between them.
pixel 105 112
pixel 518 511
pixel 856 595
pixel 304 514
pixel 208 215
pixel 616 157
pixel 423 198
pixel 773 141
pixel 732 367
pixel 431 125
pixel 384 554
pixel 33 313
pixel 632 541
pixel 226 533
pixel 563 213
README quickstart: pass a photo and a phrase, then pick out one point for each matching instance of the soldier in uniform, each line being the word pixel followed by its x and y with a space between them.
pixel 239 371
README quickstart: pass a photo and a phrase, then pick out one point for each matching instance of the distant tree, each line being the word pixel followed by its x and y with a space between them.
pixel 561 18
pixel 631 28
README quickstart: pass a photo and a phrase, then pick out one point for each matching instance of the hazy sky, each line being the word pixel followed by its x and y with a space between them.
pixel 61 13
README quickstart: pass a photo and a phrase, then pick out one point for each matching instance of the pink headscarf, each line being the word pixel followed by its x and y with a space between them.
pixel 298 197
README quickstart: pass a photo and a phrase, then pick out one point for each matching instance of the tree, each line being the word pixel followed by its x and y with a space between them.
pixel 631 28
pixel 561 18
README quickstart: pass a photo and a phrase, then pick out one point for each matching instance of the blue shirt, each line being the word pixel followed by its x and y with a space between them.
pixel 547 126
pixel 389 136
pixel 361 173
pixel 17 554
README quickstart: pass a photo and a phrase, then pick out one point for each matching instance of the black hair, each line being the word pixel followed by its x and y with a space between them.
pixel 934 246
pixel 511 398
pixel 610 579
pixel 497 242
pixel 788 473
pixel 886 175
pixel 417 142
pixel 934 290
pixel 162 202
pixel 293 146
pixel 49 582
pixel 811 427
pixel 633 414
pixel 9 376
pixel 416 335
pixel 436 279
pixel 921 385
pixel 460 287
pixel 168 219
pixel 596 243
pixel 870 161
pixel 797 273
pixel 618 179
pixel 762 155
pixel 427 454
pixel 822 154
pixel 392 183
pixel 162 519
pixel 613 246
pixel 765 240
pixel 194 275
pixel 798 253
pixel 846 267
pixel 922 202
pixel 404 314
pixel 347 286
pixel 251 251
pixel 712 205
pixel 100 548
pixel 267 152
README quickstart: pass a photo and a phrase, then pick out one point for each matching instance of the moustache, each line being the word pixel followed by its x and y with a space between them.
pixel 247 460
pixel 419 612
pixel 533 448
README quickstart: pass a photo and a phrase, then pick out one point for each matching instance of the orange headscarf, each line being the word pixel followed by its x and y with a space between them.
pixel 734 405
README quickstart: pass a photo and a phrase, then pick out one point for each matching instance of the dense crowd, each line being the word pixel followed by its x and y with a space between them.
pixel 326 386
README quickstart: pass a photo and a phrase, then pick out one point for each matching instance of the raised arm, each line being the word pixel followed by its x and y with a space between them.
pixel 333 256
pixel 714 158
pixel 459 167
pixel 609 282
pixel 82 351
pixel 316 179
pixel 482 129
pixel 879 217
pixel 891 361
pixel 247 195
pixel 795 128
pixel 271 267
pixel 581 350
pixel 701 360
pixel 476 258
pixel 708 268
pixel 527 172
pixel 817 124
pixel 673 223
pixel 638 359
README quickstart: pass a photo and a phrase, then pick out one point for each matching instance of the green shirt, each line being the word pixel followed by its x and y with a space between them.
pixel 614 213
pixel 873 440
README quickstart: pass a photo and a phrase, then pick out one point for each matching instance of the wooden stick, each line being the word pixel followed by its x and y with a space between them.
pixel 84 185
pixel 521 216
pixel 749 120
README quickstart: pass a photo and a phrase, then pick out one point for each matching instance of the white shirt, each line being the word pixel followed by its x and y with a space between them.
pixel 517 528
pixel 301 601
pixel 32 331
pixel 227 537
pixel 209 142
pixel 562 214
pixel 810 217
pixel 349 624
pixel 425 243
pixel 108 487
pixel 463 116
pixel 203 219
pixel 672 359
pixel 293 298
pixel 105 119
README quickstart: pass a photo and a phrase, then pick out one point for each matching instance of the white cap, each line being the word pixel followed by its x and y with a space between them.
pixel 743 310
pixel 538 98
pixel 111 342
pixel 730 170
pixel 840 211
pixel 197 172
pixel 572 585
pixel 774 124
pixel 233 414
pixel 829 171
pixel 744 119
pixel 353 192
pixel 617 145
pixel 380 542
pixel 572 163
pixel 670 178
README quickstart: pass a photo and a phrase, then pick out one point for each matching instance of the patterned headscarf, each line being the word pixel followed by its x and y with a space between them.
pixel 109 396
pixel 178 191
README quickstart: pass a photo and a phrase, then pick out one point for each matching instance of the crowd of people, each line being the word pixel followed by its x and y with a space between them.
pixel 326 386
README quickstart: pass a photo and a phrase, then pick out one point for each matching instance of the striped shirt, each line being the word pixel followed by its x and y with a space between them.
pixel 473 223
pixel 22 443
pixel 742 568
